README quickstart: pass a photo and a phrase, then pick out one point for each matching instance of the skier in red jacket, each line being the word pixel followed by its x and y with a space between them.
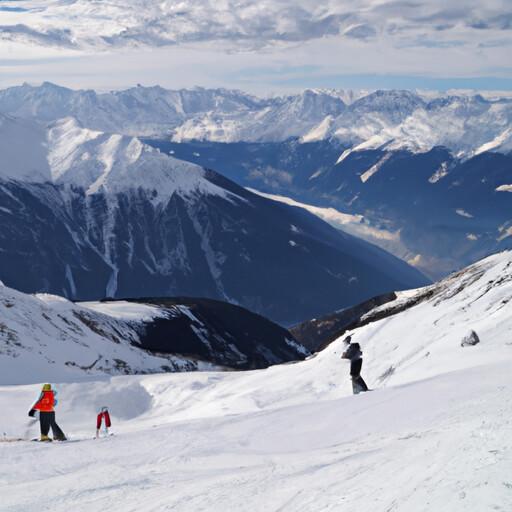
pixel 46 406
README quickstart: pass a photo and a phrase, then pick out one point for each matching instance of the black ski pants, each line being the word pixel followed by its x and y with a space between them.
pixel 358 383
pixel 47 420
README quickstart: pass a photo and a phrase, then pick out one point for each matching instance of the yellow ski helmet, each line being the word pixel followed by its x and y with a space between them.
pixel 47 387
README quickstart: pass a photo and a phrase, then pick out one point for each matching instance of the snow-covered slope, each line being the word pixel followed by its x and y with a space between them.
pixel 113 217
pixel 46 337
pixel 135 111
pixel 395 120
pixel 65 153
pixel 434 433
pixel 275 119
pixel 467 125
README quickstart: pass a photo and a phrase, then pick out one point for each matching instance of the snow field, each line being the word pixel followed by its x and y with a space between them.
pixel 435 434
pixel 427 445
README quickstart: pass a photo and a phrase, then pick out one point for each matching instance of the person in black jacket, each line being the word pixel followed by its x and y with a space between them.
pixel 354 354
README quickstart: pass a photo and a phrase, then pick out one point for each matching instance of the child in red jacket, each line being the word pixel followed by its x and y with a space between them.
pixel 46 406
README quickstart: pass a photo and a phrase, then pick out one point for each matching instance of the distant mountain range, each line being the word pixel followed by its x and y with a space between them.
pixel 425 177
pixel 87 215
pixel 466 125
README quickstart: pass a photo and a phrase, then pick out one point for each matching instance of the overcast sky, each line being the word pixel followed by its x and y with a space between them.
pixel 264 47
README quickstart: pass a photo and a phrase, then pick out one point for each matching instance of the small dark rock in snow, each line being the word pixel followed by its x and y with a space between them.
pixel 470 339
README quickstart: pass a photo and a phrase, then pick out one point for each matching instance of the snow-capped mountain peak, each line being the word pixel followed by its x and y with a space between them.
pixel 463 123
pixel 65 153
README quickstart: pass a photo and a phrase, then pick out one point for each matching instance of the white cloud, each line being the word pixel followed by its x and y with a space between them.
pixel 186 42
pixel 463 213
pixel 353 224
pixel 416 261
pixel 246 23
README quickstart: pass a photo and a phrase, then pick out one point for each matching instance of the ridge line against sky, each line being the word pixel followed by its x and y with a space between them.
pixel 265 46
pixel 347 95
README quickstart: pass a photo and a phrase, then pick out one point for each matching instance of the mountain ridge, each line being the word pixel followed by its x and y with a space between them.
pixel 113 217
pixel 432 209
pixel 46 337
pixel 399 119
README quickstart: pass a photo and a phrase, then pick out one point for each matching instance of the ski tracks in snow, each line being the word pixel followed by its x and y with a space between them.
pixel 441 444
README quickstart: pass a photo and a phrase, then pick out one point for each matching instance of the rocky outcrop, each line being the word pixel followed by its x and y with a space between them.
pixel 470 339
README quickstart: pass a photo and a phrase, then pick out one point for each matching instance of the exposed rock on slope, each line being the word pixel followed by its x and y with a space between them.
pixel 317 333
pixel 46 337
pixel 214 331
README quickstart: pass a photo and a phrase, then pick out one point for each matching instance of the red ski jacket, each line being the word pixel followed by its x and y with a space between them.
pixel 46 402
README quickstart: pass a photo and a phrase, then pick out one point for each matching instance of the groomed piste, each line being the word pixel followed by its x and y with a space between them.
pixel 434 434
